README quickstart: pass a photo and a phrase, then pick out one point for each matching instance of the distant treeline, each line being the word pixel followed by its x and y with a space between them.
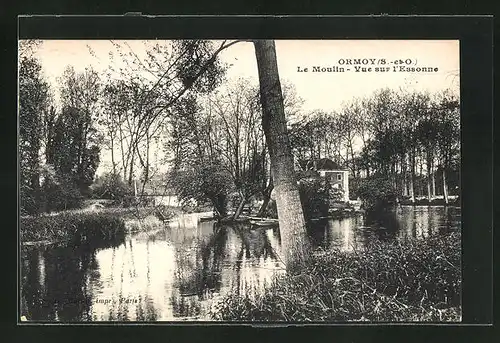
pixel 411 139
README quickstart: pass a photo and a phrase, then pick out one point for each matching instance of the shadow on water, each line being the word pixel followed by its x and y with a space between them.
pixel 384 225
pixel 201 273
pixel 255 243
pixel 55 281
pixel 319 233
pixel 230 250
pixel 169 273
pixel 198 276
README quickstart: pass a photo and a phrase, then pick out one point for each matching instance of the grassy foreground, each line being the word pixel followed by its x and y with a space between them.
pixel 409 281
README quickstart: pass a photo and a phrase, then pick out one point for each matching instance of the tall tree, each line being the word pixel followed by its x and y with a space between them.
pixel 150 85
pixel 243 148
pixel 447 109
pixel 34 101
pixel 72 154
pixel 290 214
pixel 75 151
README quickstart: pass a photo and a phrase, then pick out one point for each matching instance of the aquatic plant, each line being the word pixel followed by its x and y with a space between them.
pixel 408 281
pixel 148 223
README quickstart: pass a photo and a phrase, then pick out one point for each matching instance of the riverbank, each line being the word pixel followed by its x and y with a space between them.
pixel 452 201
pixel 91 225
pixel 408 281
pixel 72 228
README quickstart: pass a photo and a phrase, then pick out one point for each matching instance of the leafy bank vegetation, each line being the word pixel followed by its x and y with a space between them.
pixel 387 281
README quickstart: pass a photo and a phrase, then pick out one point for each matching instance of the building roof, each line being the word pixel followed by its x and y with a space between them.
pixel 319 164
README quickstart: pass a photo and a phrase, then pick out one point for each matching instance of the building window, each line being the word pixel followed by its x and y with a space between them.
pixel 339 177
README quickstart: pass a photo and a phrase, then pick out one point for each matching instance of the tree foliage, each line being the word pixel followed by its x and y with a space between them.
pixel 406 136
pixel 314 195
pixel 377 193
pixel 203 182
pixel 59 149
pixel 34 102
pixel 111 186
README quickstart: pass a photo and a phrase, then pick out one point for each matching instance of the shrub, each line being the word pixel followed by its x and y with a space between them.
pixel 377 193
pixel 72 227
pixel 314 195
pixel 60 193
pixel 111 186
pixel 272 209
pixel 336 195
pixel 27 201
pixel 354 183
pixel 205 181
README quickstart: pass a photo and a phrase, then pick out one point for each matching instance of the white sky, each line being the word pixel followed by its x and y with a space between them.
pixel 325 91
pixel 319 90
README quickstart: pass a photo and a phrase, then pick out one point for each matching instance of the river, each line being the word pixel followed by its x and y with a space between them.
pixel 176 272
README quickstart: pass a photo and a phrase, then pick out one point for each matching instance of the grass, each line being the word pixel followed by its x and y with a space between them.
pixel 84 225
pixel 148 223
pixel 72 227
pixel 137 213
pixel 385 282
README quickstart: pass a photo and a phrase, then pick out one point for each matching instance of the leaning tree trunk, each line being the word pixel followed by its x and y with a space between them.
pixel 292 224
pixel 267 197
pixel 238 211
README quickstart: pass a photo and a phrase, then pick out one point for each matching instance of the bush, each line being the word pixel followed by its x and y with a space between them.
pixel 377 193
pixel 111 186
pixel 410 281
pixel 60 193
pixel 205 181
pixel 72 227
pixel 314 195
pixel 27 202
pixel 354 183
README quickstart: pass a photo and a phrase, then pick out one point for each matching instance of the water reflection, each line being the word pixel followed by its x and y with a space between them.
pixel 56 282
pixel 174 272
pixel 167 274
pixel 406 222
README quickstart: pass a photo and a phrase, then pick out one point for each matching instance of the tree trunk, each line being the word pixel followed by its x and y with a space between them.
pixel 429 193
pixel 35 186
pixel 131 170
pixel 295 243
pixel 404 176
pixel 113 153
pixel 240 207
pixel 420 185
pixel 412 177
pixel 267 197
pixel 433 178
pixel 445 186
pixel 429 172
